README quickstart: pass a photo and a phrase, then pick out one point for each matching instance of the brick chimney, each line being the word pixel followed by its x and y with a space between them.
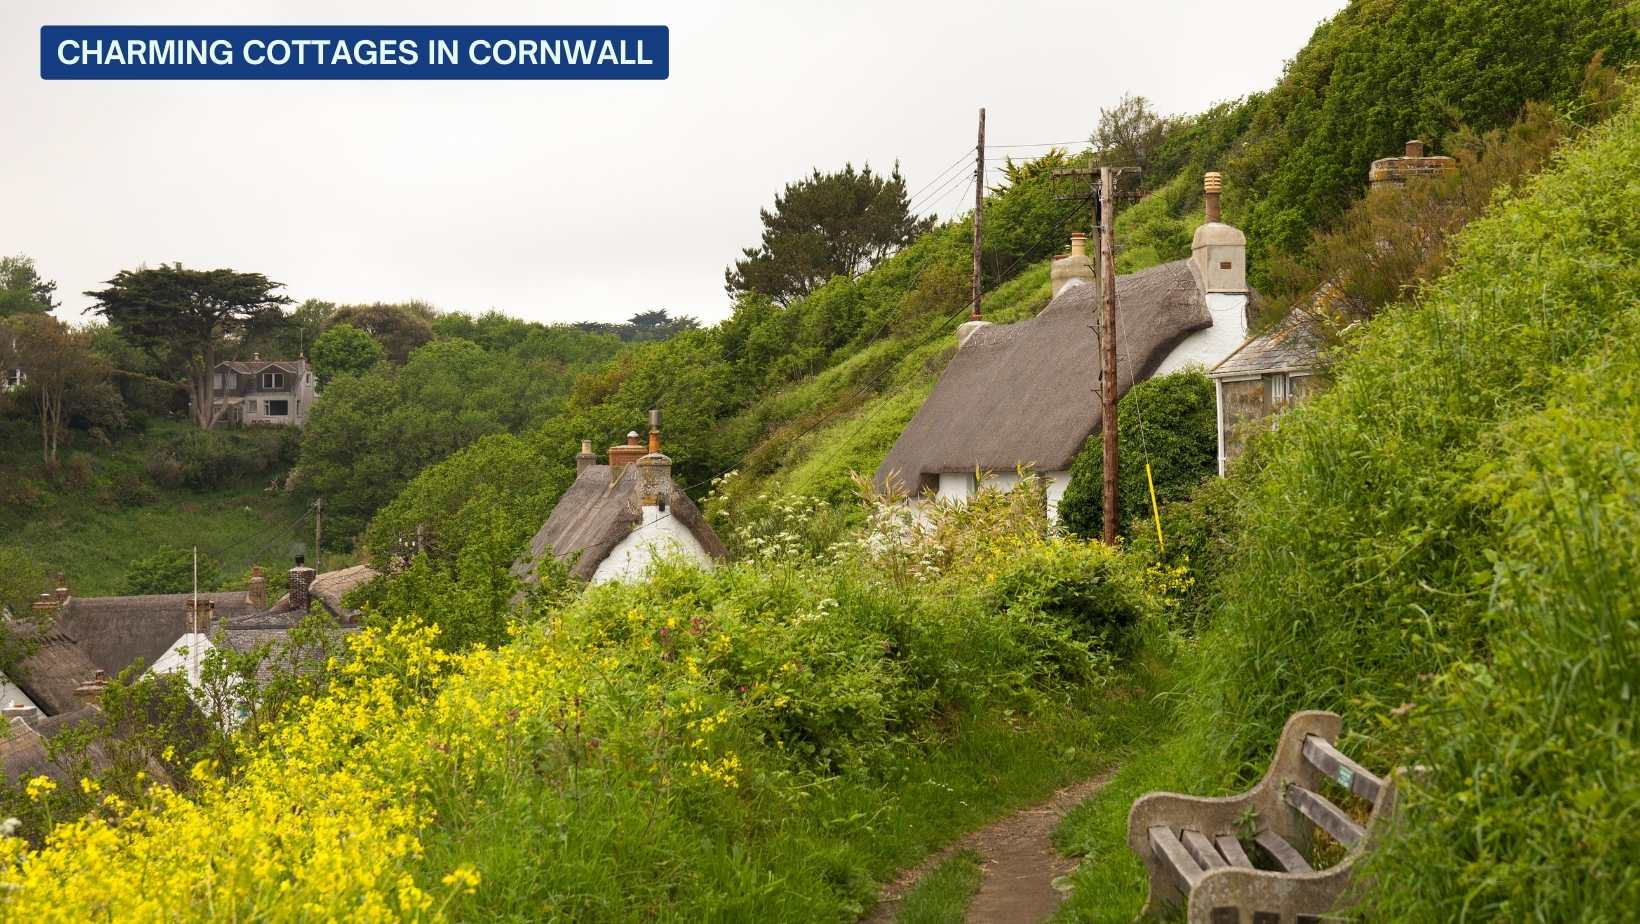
pixel 45 603
pixel 1075 267
pixel 90 691
pixel 654 471
pixel 622 456
pixel 586 458
pixel 199 620
pixel 1415 161
pixel 301 583
pixel 256 594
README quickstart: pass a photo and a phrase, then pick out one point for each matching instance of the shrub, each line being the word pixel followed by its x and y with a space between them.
pixel 1169 421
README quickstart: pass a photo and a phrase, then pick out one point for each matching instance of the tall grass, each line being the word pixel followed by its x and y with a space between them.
pixel 1442 548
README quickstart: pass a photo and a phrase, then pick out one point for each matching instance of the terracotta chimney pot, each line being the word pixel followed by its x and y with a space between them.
pixel 1212 185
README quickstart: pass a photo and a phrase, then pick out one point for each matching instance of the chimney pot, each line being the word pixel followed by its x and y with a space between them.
pixel 1079 244
pixel 256 357
pixel 586 458
pixel 1212 186
pixel 1415 148
pixel 654 430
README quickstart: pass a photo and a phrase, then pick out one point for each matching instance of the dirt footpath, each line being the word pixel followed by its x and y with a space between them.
pixel 1018 859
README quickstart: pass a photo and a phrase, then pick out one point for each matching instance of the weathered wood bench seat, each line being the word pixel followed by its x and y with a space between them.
pixel 1196 849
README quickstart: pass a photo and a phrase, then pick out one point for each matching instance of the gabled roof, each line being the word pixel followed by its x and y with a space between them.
pixel 23 750
pixel 1027 393
pixel 116 632
pixel 594 516
pixel 293 366
pixel 1292 345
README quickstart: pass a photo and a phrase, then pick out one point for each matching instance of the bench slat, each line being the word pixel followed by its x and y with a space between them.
pixel 1328 817
pixel 1185 868
pixel 1203 850
pixel 1284 853
pixel 1338 767
pixel 1231 848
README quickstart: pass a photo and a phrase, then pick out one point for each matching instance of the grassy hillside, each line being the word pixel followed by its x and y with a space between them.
pixel 107 505
pixel 1442 548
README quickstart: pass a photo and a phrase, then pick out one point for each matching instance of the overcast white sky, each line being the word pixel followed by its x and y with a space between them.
pixel 567 201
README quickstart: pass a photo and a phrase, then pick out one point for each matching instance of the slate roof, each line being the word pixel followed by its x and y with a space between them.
pixel 593 517
pixel 1292 345
pixel 1026 393
pixel 116 632
pixel 293 366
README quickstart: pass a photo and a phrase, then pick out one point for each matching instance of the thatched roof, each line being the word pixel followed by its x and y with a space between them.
pixel 594 516
pixel 23 750
pixel 1027 393
pixel 57 666
pixel 116 632
pixel 1293 345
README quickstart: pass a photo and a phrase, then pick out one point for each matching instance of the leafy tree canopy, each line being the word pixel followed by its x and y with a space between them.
pixel 344 350
pixel 825 225
pixel 399 328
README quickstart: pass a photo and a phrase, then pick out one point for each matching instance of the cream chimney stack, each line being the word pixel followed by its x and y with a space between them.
pixel 1075 268
pixel 1218 250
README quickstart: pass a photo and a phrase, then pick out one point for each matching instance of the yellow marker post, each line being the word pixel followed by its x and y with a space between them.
pixel 1155 511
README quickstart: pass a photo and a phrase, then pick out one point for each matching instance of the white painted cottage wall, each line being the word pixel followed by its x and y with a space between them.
pixel 658 536
pixel 1209 346
pixel 959 487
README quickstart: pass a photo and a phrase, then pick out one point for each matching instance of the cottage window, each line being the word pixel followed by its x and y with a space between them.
pixel 1275 391
pixel 278 408
pixel 15 378
pixel 273 381
pixel 219 381
pixel 928 484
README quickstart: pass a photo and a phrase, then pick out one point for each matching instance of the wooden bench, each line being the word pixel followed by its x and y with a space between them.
pixel 1199 851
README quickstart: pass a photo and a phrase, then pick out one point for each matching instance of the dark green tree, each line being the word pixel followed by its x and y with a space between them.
pixel 22 291
pixel 344 350
pixel 181 316
pixel 825 225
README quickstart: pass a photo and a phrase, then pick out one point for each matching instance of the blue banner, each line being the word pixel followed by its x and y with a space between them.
pixel 353 52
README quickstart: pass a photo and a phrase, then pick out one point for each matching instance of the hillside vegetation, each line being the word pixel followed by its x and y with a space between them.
pixel 1442 548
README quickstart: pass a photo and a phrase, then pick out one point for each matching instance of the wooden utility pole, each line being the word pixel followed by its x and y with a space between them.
pixel 1103 198
pixel 979 209
pixel 1107 339
pixel 318 527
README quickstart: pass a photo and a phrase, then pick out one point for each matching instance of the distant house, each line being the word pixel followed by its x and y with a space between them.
pixel 1264 375
pixel 263 391
pixel 618 518
pixel 1025 395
